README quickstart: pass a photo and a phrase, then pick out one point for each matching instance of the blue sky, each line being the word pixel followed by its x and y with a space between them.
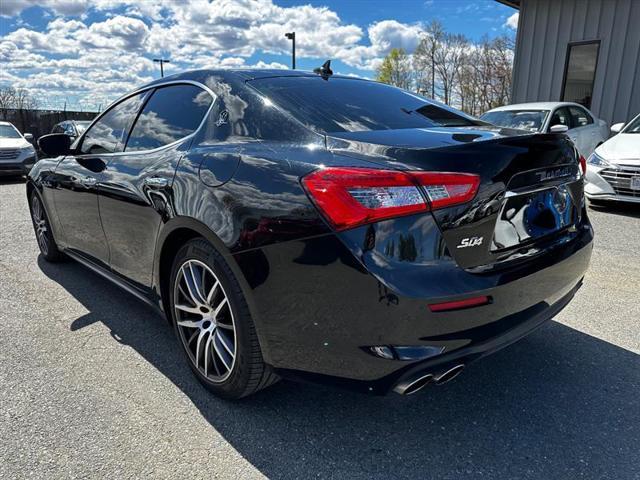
pixel 88 52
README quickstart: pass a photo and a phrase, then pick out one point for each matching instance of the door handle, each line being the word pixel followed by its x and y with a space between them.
pixel 156 182
pixel 88 181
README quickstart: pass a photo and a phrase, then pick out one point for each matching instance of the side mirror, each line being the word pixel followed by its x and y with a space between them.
pixel 559 128
pixel 616 127
pixel 28 137
pixel 55 144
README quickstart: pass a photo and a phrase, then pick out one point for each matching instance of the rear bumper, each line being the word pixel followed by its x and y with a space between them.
pixel 323 305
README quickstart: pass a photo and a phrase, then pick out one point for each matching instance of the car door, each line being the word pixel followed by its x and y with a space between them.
pixel 587 130
pixel 78 177
pixel 136 184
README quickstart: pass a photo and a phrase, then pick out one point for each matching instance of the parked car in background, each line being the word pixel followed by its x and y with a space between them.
pixel 72 128
pixel 318 227
pixel 613 170
pixel 17 154
pixel 586 131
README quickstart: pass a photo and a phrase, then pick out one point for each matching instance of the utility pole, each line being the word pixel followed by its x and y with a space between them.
pixel 161 61
pixel 292 36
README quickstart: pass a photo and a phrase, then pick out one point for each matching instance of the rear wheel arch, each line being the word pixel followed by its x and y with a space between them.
pixel 172 237
pixel 30 188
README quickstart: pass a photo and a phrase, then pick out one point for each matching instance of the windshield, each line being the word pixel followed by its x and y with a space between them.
pixel 634 126
pixel 9 131
pixel 531 120
pixel 351 105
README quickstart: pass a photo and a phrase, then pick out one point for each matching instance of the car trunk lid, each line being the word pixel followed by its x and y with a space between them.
pixel 530 190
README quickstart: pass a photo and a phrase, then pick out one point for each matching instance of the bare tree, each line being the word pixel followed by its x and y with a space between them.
pixel 7 100
pixel 448 60
pixel 424 58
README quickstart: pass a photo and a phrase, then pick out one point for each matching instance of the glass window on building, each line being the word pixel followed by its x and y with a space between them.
pixel 580 72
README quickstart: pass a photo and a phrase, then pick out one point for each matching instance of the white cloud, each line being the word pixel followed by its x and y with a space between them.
pixel 112 54
pixel 512 21
pixel 116 33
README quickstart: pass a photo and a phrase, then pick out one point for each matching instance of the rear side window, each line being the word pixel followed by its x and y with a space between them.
pixel 107 135
pixel 172 113
pixel 349 105
pixel 580 117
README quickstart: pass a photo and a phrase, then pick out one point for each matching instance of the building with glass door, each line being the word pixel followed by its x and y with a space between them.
pixel 585 51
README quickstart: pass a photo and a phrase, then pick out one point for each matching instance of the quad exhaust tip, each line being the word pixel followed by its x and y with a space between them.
pixel 412 386
pixel 449 374
pixel 409 387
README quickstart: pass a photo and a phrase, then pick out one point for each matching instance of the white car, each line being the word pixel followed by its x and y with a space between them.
pixel 17 155
pixel 613 170
pixel 586 131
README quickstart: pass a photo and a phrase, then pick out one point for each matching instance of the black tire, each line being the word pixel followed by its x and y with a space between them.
pixel 42 229
pixel 248 373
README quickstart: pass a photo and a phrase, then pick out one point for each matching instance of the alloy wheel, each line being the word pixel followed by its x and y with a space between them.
pixel 205 320
pixel 40 225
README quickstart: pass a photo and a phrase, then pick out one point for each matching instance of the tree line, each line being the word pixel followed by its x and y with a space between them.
pixel 474 77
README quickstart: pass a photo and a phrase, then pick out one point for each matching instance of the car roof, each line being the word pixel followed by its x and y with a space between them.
pixel 241 74
pixel 535 106
pixel 7 123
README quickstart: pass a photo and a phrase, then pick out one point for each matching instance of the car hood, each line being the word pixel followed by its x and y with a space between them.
pixel 622 147
pixel 14 143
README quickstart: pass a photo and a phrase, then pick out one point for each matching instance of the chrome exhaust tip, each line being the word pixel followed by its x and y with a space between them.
pixel 449 374
pixel 410 387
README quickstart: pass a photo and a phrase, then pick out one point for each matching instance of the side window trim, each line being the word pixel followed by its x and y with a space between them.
pixel 149 94
pixel 121 100
pixel 153 87
pixel 214 98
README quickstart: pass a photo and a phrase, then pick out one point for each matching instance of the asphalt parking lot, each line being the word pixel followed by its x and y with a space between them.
pixel 92 385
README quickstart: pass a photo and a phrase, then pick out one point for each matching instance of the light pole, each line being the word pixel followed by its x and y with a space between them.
pixel 161 61
pixel 292 36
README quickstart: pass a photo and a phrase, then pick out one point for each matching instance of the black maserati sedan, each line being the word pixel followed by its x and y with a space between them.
pixel 317 227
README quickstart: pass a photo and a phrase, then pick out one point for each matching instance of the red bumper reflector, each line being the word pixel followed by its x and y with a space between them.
pixel 460 304
pixel 583 165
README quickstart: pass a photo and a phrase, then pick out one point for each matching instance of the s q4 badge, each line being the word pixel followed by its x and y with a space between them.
pixel 470 242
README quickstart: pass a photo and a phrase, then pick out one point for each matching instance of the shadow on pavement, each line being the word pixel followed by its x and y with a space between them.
pixel 558 404
pixel 617 208
pixel 11 179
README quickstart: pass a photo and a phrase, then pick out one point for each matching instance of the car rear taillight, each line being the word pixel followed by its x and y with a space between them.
pixel 583 165
pixel 446 189
pixel 349 197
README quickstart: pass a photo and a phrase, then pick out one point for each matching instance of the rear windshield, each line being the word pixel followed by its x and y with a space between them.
pixel 531 120
pixel 351 105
